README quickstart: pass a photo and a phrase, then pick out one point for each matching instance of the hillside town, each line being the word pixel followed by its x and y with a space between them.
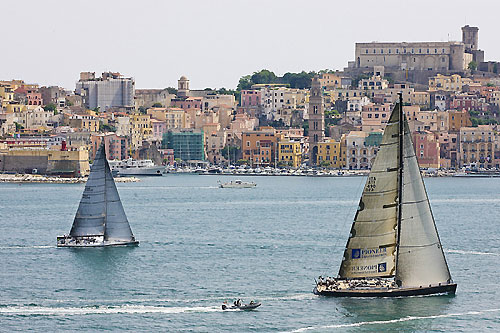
pixel 330 119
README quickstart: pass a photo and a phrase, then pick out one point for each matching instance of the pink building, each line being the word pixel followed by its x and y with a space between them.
pixel 427 149
pixel 250 98
pixel 116 146
pixel 168 156
pixel 188 103
pixel 375 116
pixel 159 128
pixel 34 98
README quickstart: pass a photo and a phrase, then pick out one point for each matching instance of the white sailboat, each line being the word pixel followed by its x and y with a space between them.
pixel 100 219
pixel 393 247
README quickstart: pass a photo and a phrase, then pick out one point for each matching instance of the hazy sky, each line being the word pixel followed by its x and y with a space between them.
pixel 214 43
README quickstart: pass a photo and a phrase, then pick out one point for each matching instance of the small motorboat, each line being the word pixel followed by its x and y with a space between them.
pixel 237 184
pixel 237 305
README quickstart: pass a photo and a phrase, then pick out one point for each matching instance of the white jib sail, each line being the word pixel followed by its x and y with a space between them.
pixel 421 260
pixel 370 250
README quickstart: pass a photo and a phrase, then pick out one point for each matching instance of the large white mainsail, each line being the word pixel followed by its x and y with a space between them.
pixel 370 250
pixel 91 214
pixel 393 248
pixel 421 260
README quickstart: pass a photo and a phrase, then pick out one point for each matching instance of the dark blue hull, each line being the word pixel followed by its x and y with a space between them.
pixel 396 292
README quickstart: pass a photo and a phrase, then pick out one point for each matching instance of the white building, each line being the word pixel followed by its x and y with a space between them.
pixel 111 90
pixel 357 103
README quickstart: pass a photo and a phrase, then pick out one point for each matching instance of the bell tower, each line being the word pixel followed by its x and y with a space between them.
pixel 316 120
pixel 183 87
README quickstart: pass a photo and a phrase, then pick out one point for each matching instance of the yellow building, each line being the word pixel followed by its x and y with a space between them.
pixel 422 98
pixel 290 152
pixel 141 129
pixel 330 154
pixel 15 108
pixel 84 123
pixel 6 94
pixel 448 83
pixel 174 118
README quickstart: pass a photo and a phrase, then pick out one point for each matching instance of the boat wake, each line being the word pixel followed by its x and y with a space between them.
pixel 473 252
pixel 112 302
pixel 127 309
pixel 27 247
pixel 384 322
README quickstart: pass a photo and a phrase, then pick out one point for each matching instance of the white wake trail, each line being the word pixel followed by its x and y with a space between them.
pixel 384 322
pixel 128 309
pixel 472 252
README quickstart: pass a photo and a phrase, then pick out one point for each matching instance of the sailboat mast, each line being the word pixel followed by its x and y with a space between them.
pixel 106 166
pixel 400 176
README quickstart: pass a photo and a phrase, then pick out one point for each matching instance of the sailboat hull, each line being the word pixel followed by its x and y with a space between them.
pixel 395 292
pixel 83 242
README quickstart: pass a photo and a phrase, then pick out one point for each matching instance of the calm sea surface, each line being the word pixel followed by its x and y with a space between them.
pixel 201 245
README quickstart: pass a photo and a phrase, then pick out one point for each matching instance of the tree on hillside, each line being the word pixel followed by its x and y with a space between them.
pixel 171 90
pixel 300 80
pixel 245 83
pixel 264 76
pixel 472 65
pixel 50 107
pixel 157 105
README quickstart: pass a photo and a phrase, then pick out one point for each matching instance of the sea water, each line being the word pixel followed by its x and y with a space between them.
pixel 201 245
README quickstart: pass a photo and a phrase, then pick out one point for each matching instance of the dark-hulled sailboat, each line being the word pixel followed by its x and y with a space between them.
pixel 393 247
pixel 100 219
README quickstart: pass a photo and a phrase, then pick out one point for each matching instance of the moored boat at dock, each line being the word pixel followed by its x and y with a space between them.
pixel 131 167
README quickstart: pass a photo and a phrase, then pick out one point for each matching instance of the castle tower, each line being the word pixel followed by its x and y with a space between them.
pixel 183 87
pixel 470 37
pixel 316 120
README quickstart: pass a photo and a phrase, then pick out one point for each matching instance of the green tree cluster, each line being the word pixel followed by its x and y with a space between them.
pixel 472 65
pixel 300 80
pixel 50 107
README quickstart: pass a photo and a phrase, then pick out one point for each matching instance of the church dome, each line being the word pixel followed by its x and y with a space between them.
pixel 183 78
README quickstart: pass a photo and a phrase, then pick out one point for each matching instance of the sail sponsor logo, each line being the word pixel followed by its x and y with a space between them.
pixel 368 253
pixel 365 268
pixel 375 268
